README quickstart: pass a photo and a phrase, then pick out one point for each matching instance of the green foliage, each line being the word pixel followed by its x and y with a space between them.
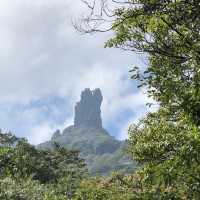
pixel 26 189
pixel 169 32
pixel 166 143
pixel 25 160
pixel 108 188
pixel 7 139
pixel 25 170
pixel 102 152
pixel 169 153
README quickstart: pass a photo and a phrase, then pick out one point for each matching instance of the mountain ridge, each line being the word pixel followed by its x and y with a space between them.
pixel 102 152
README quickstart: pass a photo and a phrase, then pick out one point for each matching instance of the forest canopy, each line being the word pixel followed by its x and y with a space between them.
pixel 165 143
pixel 168 31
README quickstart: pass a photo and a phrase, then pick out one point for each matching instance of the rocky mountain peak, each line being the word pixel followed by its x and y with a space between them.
pixel 56 135
pixel 102 152
pixel 88 109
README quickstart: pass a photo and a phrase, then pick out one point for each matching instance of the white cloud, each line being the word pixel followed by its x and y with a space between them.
pixel 43 56
pixel 140 113
pixel 39 134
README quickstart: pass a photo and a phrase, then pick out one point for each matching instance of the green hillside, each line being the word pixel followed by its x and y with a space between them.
pixel 102 152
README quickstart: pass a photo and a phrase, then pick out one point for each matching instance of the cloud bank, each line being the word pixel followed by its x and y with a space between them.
pixel 45 64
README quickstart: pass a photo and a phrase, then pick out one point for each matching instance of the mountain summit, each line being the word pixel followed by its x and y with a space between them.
pixel 102 152
pixel 88 109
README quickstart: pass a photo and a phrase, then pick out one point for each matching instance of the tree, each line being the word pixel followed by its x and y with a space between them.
pixel 167 142
pixel 60 168
pixel 105 188
pixel 27 189
pixel 169 154
pixel 24 160
pixel 8 139
pixel 168 31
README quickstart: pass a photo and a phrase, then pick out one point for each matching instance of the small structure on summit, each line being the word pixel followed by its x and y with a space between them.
pixel 88 109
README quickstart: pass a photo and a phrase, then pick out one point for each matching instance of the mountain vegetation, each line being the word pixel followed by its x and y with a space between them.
pixel 102 152
pixel 28 173
pixel 165 143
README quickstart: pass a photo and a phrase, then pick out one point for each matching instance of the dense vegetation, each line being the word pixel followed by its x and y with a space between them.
pixel 166 143
pixel 28 173
pixel 97 147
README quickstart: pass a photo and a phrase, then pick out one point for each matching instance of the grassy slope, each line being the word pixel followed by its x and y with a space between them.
pixel 102 152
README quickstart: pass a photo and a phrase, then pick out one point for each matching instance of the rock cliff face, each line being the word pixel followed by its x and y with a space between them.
pixel 102 152
pixel 56 135
pixel 88 110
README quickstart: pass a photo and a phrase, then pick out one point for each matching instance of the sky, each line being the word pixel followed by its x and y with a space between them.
pixel 45 64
